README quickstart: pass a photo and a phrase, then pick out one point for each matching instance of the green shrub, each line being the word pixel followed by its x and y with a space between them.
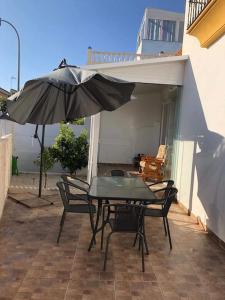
pixel 3 105
pixel 78 121
pixel 70 151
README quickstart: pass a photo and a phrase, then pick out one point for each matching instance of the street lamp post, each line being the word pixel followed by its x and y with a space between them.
pixel 11 82
pixel 18 39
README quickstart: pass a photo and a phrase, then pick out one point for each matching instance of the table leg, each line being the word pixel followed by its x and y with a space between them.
pixel 96 224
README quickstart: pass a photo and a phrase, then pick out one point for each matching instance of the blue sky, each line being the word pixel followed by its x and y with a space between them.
pixel 54 29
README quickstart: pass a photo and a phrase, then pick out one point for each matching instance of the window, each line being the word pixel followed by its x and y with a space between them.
pixel 161 30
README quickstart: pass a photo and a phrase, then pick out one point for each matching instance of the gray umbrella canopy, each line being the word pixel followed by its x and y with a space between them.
pixel 66 94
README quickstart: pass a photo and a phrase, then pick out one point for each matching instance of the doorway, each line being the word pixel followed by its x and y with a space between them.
pixel 169 127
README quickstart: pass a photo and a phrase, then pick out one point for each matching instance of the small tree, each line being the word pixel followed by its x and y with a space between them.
pixel 47 162
pixel 71 152
pixel 3 105
pixel 78 121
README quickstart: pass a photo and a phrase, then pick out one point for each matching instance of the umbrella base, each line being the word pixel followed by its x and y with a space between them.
pixel 31 200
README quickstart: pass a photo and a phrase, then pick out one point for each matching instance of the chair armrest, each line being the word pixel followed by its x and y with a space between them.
pixel 78 196
pixel 76 186
pixel 159 182
pixel 85 182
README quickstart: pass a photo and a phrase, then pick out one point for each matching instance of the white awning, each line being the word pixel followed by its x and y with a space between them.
pixel 162 70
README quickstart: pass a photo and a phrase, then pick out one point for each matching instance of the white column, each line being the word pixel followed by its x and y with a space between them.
pixel 177 30
pixel 93 147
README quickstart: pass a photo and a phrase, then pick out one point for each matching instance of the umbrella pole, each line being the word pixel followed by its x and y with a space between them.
pixel 41 162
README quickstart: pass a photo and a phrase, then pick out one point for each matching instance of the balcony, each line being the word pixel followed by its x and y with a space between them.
pixel 206 20
pixel 195 9
pixel 100 57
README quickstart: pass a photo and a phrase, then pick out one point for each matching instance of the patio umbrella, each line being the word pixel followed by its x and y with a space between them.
pixel 65 94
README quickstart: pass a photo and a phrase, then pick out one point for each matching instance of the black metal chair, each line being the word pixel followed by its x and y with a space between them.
pixel 117 173
pixel 77 183
pixel 85 207
pixel 169 183
pixel 161 194
pixel 165 202
pixel 126 218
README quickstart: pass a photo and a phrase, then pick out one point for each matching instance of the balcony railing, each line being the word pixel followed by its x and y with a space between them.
pixel 195 9
pixel 100 57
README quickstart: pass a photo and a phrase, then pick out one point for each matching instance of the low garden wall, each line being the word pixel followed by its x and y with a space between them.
pixel 5 168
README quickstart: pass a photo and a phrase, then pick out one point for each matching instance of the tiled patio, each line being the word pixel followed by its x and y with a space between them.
pixel 33 266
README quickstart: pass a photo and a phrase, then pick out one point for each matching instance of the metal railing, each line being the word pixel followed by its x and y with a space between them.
pixel 100 57
pixel 195 9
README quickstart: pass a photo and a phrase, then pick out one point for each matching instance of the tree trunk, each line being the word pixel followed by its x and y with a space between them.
pixel 45 185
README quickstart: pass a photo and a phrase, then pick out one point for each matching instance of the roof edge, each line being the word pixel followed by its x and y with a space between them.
pixel 149 61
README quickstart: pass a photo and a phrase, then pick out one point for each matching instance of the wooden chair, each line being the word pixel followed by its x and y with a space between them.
pixel 152 167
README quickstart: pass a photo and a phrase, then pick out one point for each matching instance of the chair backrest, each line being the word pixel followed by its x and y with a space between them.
pixel 128 217
pixel 62 189
pixel 117 173
pixel 65 179
pixel 170 184
pixel 170 196
pixel 161 152
pixel 75 182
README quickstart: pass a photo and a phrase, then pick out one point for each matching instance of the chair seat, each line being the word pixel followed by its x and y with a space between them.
pixel 81 208
pixel 153 212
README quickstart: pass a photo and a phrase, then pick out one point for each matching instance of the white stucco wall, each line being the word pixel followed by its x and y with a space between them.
pixel 162 70
pixel 201 164
pixel 6 127
pixel 5 168
pixel 154 47
pixel 134 128
pixel 27 148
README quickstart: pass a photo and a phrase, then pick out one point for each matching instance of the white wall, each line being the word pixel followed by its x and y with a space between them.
pixel 6 127
pixel 27 148
pixel 134 128
pixel 201 167
pixel 162 70
pixel 155 47
pixel 5 168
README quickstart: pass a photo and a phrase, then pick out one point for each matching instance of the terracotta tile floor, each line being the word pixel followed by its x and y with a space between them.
pixel 32 266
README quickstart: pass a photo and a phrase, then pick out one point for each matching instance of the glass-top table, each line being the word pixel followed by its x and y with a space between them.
pixel 120 188
pixel 117 188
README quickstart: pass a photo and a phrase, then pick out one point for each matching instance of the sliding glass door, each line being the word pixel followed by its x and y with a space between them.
pixel 169 127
